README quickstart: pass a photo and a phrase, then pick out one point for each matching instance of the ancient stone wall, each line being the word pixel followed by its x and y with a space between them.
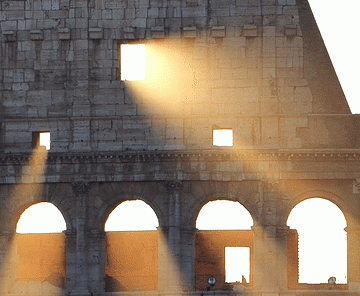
pixel 258 67
pixel 248 64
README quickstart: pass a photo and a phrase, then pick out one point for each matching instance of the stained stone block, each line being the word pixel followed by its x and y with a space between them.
pixel 96 33
pixel 250 31
pixel 218 32
pixel 36 35
pixel 157 32
pixel 189 32
pixel 9 36
pixel 129 33
pixel 64 33
pixel 290 30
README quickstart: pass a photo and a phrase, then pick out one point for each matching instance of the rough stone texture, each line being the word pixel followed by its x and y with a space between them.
pixel 258 67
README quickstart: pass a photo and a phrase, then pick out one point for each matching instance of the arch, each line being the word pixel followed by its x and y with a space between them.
pixel 224 244
pixel 42 217
pixel 131 245
pixel 324 228
pixel 327 195
pixel 200 201
pixel 229 220
pixel 107 197
pixel 40 248
pixel 127 211
pixel 21 199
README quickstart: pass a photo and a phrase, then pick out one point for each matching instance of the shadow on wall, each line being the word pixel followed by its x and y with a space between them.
pixel 112 284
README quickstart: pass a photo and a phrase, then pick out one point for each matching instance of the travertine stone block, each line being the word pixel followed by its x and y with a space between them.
pixel 189 32
pixel 64 33
pixel 218 32
pixel 290 30
pixel 250 31
pixel 96 33
pixel 37 35
pixel 9 36
pixel 157 32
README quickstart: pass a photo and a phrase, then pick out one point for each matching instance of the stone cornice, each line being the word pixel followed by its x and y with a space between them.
pixel 204 155
pixel 210 165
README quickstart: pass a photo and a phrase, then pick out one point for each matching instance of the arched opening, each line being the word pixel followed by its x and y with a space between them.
pixel 132 215
pixel 322 242
pixel 224 244
pixel 132 248
pixel 223 215
pixel 42 217
pixel 40 261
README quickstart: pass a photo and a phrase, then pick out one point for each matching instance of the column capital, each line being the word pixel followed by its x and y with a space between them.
pixel 69 232
pixel 258 229
pixel 282 231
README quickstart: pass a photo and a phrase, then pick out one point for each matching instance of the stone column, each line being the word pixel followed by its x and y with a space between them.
pixel 7 262
pixel 97 260
pixel 270 242
pixel 81 269
pixel 170 278
pixel 188 257
pixel 173 188
pixel 281 254
pixel 263 273
pixel 353 257
pixel 70 238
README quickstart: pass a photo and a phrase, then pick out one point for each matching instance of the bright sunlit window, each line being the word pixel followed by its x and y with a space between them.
pixel 223 137
pixel 42 217
pixel 132 215
pixel 237 264
pixel 132 61
pixel 322 241
pixel 44 140
pixel 224 214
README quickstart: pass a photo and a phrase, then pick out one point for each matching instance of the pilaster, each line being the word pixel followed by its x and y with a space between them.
pixel 170 275
pixel 270 243
pixel 353 257
pixel 7 270
pixel 96 260
pixel 80 190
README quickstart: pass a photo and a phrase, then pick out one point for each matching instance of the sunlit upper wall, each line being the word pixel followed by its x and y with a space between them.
pixel 224 215
pixel 42 217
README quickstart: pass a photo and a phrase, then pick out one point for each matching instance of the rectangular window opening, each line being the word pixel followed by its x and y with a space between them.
pixel 41 139
pixel 223 137
pixel 132 62
pixel 237 264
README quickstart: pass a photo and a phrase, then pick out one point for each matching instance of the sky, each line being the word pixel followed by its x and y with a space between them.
pixel 338 24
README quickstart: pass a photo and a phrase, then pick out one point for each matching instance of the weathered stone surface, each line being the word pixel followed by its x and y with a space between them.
pixel 259 68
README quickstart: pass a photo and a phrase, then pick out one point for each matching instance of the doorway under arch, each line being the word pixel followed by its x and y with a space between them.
pixel 224 245
pixel 322 241
pixel 40 260
pixel 132 248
